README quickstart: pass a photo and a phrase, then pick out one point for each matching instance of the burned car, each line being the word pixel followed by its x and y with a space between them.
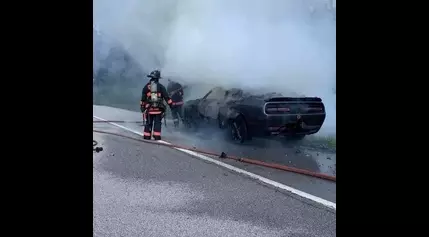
pixel 247 115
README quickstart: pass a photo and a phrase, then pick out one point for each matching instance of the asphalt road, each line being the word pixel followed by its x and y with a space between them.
pixel 260 149
pixel 148 190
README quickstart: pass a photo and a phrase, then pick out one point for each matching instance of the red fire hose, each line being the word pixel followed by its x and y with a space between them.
pixel 223 155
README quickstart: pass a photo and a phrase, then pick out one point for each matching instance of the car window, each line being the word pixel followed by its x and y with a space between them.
pixel 237 93
pixel 208 93
pixel 216 94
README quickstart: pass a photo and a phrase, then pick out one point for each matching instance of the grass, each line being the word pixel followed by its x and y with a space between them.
pixel 329 142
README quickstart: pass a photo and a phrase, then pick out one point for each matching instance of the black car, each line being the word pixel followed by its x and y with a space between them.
pixel 247 115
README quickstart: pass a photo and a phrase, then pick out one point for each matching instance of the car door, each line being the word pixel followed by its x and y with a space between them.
pixel 203 103
pixel 209 105
pixel 225 104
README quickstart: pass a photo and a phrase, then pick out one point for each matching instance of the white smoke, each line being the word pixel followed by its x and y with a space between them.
pixel 281 45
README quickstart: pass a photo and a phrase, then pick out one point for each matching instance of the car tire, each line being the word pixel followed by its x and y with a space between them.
pixel 238 129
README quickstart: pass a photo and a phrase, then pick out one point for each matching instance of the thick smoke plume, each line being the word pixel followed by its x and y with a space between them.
pixel 276 45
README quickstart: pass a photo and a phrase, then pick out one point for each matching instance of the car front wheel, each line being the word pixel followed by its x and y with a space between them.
pixel 238 129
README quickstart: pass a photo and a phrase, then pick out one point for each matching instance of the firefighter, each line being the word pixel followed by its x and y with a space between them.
pixel 175 90
pixel 153 106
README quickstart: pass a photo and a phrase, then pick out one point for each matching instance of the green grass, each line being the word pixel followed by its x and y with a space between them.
pixel 329 142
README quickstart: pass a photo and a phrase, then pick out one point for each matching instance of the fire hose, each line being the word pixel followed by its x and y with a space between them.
pixel 223 155
pixel 95 147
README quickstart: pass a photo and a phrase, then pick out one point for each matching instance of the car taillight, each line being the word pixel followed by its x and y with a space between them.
pixel 283 109
pixel 276 108
pixel 315 108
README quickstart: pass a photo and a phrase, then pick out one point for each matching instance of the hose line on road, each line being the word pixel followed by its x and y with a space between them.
pixel 225 156
pixel 95 147
pixel 117 121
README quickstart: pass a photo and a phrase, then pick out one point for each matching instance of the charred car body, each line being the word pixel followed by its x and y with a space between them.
pixel 246 115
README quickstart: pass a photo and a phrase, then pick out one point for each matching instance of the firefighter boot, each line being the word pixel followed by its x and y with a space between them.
pixel 157 136
pixel 146 136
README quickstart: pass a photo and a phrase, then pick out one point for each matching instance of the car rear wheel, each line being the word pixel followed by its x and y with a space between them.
pixel 238 129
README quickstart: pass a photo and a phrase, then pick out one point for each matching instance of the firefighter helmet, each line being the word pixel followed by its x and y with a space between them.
pixel 156 74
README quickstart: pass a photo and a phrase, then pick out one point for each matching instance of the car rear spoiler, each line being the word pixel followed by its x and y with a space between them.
pixel 294 99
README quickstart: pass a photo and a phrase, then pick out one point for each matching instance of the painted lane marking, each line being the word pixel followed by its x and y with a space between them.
pixel 311 197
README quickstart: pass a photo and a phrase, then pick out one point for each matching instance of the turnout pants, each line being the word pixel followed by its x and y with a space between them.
pixel 153 124
pixel 177 113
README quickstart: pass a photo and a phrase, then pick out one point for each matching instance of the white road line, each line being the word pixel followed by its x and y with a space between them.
pixel 322 201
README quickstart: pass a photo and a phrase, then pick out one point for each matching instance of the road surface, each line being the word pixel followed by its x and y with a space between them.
pixel 148 190
pixel 269 151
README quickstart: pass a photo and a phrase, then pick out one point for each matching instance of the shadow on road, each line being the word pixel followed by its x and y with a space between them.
pixel 269 150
